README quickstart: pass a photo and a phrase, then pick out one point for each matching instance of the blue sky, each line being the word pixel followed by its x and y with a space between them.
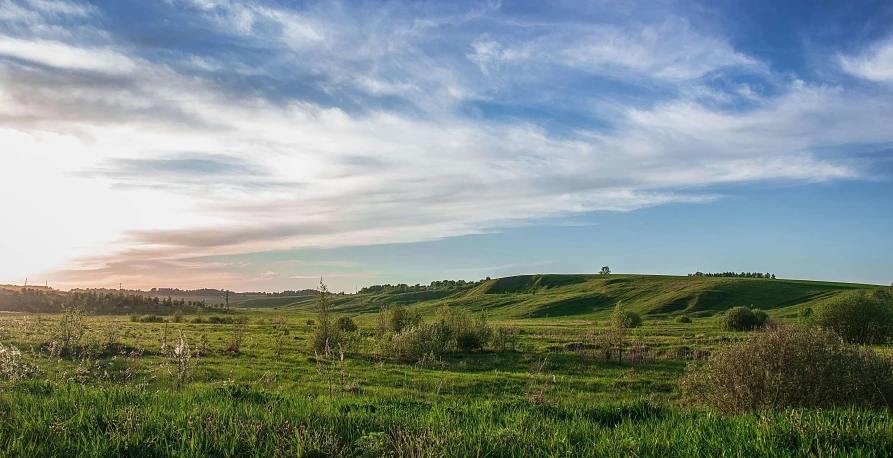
pixel 259 145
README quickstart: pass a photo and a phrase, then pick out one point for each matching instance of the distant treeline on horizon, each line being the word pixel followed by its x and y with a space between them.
pixel 734 274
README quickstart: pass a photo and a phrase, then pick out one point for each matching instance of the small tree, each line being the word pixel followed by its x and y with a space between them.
pixel 625 319
pixel 326 332
pixel 605 270
pixel 71 328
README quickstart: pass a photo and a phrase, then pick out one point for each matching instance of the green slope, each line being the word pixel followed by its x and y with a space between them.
pixel 595 296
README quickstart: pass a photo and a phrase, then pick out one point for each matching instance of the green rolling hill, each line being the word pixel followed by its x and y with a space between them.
pixel 593 296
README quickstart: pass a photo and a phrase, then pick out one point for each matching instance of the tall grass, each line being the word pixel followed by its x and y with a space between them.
pixel 43 419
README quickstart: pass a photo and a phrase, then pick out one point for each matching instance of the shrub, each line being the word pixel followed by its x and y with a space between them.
pixel 346 324
pixel 416 342
pixel 760 318
pixel 805 315
pixel 683 319
pixel 470 334
pixel 625 319
pixel 396 318
pixel 326 333
pixel 790 366
pixel 506 337
pixel 178 317
pixel 151 319
pixel 858 317
pixel 742 319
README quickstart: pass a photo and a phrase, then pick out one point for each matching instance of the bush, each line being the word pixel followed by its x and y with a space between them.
pixel 790 367
pixel 397 318
pixel 625 319
pixel 346 324
pixel 805 315
pixel 743 319
pixel 416 342
pixel 178 317
pixel 858 317
pixel 760 318
pixel 683 319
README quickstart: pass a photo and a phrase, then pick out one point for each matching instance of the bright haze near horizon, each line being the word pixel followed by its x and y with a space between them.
pixel 260 145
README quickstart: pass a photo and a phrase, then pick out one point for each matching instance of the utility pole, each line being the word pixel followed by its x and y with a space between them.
pixel 26 282
pixel 227 299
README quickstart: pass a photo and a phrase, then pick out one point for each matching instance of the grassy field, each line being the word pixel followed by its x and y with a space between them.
pixel 555 394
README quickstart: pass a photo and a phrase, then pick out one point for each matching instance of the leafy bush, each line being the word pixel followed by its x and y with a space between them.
pixel 760 318
pixel 346 324
pixel 625 319
pixel 858 317
pixel 790 366
pixel 683 319
pixel 396 318
pixel 416 342
pixel 470 334
pixel 743 319
pixel 805 315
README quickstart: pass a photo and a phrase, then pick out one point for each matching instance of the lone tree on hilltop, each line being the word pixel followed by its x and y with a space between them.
pixel 605 270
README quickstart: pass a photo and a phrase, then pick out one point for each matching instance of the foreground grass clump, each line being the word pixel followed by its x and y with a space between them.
pixel 790 366
pixel 43 419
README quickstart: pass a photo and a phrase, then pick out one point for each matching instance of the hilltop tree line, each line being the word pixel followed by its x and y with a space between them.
pixel 404 288
pixel 734 274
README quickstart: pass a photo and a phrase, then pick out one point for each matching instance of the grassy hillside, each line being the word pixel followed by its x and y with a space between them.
pixel 594 296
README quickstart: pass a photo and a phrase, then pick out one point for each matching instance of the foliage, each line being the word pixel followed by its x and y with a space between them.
pixel 858 317
pixel 734 274
pixel 605 270
pixel 743 319
pixel 505 338
pixel 326 332
pixel 625 319
pixel 179 360
pixel 682 319
pixel 346 324
pixel 71 329
pixel 790 366
pixel 396 318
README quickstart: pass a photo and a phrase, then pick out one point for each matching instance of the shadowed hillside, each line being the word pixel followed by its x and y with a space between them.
pixel 594 296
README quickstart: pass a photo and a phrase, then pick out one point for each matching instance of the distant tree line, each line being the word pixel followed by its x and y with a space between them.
pixel 37 301
pixel 404 288
pixel 734 274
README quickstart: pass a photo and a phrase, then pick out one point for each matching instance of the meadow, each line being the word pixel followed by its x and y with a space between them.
pixel 248 381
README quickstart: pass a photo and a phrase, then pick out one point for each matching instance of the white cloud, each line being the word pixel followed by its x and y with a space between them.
pixel 64 56
pixel 875 64
pixel 132 173
pixel 671 51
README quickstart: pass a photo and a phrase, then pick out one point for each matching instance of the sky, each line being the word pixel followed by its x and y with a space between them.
pixel 260 145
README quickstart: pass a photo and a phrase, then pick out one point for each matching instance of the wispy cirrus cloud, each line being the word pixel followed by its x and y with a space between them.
pixel 875 63
pixel 325 126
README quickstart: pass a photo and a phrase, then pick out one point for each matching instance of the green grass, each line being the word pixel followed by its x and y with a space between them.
pixel 555 396
pixel 593 297
pixel 44 420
